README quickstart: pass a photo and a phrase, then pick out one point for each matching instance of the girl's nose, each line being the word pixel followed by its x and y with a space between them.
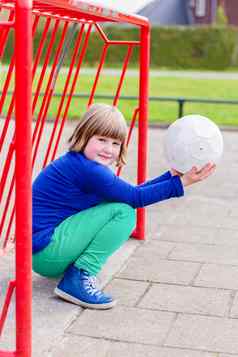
pixel 108 148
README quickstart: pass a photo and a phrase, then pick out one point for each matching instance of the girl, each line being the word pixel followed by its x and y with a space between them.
pixel 83 212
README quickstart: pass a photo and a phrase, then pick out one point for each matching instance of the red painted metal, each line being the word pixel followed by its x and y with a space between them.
pixel 4 32
pixel 19 147
pixel 23 85
pixel 69 76
pixel 43 111
pixel 143 121
pixel 7 354
pixel 101 63
pixel 124 68
pixel 3 98
pixel 81 57
pixel 10 290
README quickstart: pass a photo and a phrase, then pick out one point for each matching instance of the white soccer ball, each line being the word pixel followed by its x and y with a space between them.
pixel 193 140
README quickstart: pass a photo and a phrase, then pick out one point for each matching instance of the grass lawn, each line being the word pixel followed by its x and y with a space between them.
pixel 159 112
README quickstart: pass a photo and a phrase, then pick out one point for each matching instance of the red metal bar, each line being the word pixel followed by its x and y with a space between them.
pixel 7 354
pixel 76 49
pixel 124 68
pixel 5 172
pixel 6 169
pixel 11 153
pixel 102 33
pixel 132 125
pixel 9 227
pixel 10 289
pixel 43 71
pixel 4 34
pixel 5 210
pixel 23 170
pixel 7 24
pixel 143 122
pixel 95 11
pixel 114 42
pixel 81 57
pixel 7 121
pixel 39 49
pixel 7 82
pixel 48 92
pixel 4 94
pixel 10 222
pixel 37 59
pixel 101 63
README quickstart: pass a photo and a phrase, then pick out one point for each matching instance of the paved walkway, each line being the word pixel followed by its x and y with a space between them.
pixel 171 73
pixel 177 291
pixel 231 75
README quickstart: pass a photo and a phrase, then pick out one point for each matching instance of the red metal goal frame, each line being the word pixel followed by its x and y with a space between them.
pixel 20 20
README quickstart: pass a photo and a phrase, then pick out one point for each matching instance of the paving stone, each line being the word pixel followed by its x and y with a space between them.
pixel 158 270
pixel 218 276
pixel 234 210
pixel 127 292
pixel 187 234
pixel 195 234
pixel 231 221
pixel 204 333
pixel 199 218
pixel 124 324
pixel 205 253
pixel 203 205
pixel 190 211
pixel 152 249
pixel 187 299
pixel 234 309
pixel 91 347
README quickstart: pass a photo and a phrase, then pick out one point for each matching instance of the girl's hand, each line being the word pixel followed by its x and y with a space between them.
pixel 195 175
pixel 175 172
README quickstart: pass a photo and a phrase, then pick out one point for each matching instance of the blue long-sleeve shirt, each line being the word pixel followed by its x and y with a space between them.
pixel 73 183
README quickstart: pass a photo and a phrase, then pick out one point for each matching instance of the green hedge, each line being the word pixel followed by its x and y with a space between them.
pixel 196 47
pixel 171 47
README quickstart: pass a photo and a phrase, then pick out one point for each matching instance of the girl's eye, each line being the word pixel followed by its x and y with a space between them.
pixel 116 143
pixel 102 140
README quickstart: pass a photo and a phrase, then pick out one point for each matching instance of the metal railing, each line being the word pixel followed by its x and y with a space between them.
pixel 180 100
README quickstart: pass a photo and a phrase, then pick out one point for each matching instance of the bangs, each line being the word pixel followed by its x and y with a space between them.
pixel 114 131
pixel 112 126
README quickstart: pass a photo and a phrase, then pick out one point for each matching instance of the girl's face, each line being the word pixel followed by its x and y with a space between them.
pixel 103 150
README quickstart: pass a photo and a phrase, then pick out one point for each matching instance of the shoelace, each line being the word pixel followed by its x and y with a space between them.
pixel 91 286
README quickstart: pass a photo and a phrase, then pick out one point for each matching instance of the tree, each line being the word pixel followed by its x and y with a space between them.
pixel 221 18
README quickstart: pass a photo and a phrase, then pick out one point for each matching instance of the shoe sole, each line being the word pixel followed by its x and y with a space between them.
pixel 76 301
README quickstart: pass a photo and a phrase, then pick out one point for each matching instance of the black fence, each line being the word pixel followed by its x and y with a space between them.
pixel 180 100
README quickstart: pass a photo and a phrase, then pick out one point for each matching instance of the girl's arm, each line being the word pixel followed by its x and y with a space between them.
pixel 101 181
pixel 167 175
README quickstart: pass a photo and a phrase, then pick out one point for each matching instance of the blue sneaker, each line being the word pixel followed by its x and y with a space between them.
pixel 78 287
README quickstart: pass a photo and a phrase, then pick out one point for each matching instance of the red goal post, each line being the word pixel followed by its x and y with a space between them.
pixel 28 80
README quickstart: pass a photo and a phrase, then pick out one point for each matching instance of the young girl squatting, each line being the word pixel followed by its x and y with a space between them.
pixel 83 212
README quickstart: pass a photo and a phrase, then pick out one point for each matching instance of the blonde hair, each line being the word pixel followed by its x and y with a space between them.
pixel 102 120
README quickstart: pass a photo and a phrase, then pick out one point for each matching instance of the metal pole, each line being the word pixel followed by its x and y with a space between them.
pixel 143 121
pixel 181 104
pixel 23 32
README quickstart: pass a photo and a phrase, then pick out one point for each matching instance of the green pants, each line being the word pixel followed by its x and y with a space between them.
pixel 86 239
